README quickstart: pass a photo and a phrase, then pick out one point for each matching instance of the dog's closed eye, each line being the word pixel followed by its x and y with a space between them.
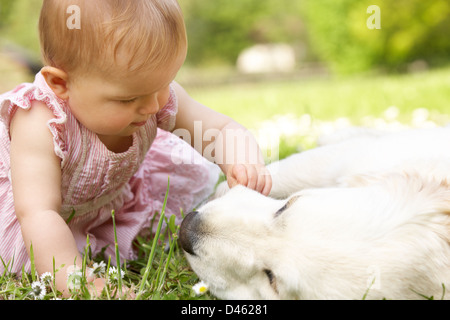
pixel 286 206
pixel 272 279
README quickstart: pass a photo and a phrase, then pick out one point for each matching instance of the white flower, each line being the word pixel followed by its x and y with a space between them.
pixel 46 277
pixel 38 290
pixel 114 274
pixel 200 288
pixel 391 113
pixel 99 268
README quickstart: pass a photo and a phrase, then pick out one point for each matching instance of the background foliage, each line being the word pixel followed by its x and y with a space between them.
pixel 18 23
pixel 218 30
pixel 410 30
pixel 332 32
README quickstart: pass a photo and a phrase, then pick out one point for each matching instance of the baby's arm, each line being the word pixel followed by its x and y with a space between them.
pixel 223 141
pixel 36 181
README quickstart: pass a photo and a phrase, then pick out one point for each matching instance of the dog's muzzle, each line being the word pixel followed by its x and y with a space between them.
pixel 189 232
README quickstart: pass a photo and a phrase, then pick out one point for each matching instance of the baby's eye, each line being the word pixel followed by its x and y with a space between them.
pixel 128 101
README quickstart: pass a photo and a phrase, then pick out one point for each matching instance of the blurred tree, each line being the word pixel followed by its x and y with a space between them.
pixel 410 30
pixel 19 23
pixel 5 10
pixel 219 30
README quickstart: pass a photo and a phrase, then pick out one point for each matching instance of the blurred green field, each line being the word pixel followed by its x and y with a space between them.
pixel 256 102
pixel 11 73
pixel 327 99
pixel 322 97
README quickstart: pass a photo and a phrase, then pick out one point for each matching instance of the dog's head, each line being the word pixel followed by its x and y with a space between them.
pixel 314 244
pixel 248 246
pixel 233 242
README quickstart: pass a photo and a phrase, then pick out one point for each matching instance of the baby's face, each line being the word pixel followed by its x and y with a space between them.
pixel 119 107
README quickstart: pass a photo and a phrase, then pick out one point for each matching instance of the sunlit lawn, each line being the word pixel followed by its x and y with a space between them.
pixel 326 99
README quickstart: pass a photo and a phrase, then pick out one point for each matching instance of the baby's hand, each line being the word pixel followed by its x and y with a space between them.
pixel 95 284
pixel 96 288
pixel 255 177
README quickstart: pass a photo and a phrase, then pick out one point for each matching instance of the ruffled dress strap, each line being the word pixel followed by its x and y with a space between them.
pixel 23 97
pixel 167 115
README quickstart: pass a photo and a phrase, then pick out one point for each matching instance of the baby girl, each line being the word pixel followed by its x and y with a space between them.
pixel 93 133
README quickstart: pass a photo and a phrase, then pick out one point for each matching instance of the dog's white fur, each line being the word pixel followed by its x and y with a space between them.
pixel 367 217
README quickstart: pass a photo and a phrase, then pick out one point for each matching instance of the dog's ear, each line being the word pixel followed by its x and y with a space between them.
pixel 289 203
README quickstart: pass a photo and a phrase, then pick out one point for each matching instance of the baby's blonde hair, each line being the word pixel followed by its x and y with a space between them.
pixel 113 37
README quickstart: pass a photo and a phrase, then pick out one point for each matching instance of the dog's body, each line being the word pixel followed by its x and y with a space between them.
pixel 367 217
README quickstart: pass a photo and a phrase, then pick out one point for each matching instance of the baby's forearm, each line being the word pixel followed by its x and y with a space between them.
pixel 51 239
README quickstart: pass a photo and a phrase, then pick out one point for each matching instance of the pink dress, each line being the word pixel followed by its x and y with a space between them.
pixel 96 181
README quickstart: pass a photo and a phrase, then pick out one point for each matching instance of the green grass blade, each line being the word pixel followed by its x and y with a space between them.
pixel 169 257
pixel 116 247
pixel 33 266
pixel 71 216
pixel 155 241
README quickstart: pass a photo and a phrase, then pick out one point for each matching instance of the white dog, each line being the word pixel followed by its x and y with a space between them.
pixel 367 217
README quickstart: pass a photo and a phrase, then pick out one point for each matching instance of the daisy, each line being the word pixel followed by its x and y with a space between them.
pixel 99 268
pixel 200 288
pixel 114 274
pixel 38 290
pixel 46 277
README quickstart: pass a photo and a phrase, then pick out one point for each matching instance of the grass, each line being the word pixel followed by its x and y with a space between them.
pixel 327 102
pixel 329 98
pixel 161 272
pixel 168 277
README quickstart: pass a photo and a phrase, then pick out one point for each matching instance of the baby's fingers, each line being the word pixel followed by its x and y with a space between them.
pixel 237 176
pixel 253 177
pixel 264 182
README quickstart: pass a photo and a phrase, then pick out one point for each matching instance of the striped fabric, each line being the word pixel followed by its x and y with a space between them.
pixel 96 181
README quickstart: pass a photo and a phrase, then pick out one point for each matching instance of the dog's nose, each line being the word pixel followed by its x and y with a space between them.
pixel 188 232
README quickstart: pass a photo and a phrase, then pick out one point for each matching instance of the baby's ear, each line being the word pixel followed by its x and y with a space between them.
pixel 57 81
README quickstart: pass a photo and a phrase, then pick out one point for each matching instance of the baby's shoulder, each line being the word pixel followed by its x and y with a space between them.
pixel 32 120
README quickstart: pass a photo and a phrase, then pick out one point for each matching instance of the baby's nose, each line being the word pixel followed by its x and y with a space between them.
pixel 149 106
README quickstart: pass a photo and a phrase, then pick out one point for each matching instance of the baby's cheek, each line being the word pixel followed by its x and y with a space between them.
pixel 119 120
pixel 163 97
